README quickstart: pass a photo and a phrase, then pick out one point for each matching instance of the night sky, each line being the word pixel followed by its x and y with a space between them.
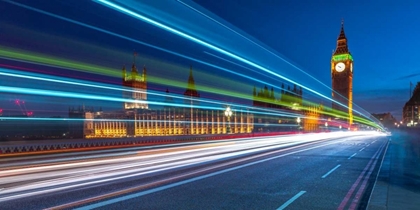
pixel 383 39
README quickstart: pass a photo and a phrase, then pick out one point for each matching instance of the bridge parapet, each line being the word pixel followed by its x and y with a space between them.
pixel 14 148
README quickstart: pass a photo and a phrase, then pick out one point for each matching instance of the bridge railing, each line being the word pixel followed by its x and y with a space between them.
pixel 71 145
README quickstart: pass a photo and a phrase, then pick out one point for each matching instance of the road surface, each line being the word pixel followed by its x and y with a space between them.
pixel 311 171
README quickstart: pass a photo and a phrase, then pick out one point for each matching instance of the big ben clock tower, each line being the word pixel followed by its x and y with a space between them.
pixel 342 76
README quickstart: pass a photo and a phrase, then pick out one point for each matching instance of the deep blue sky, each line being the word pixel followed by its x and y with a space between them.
pixel 382 37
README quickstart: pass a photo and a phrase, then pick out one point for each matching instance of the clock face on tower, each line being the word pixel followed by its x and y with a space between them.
pixel 339 67
pixel 351 67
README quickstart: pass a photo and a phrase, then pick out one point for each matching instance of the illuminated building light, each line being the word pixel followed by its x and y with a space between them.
pixel 342 57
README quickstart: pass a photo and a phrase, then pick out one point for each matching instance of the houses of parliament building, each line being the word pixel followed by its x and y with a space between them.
pixel 137 119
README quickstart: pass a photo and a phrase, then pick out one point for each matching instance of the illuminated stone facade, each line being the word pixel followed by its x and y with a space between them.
pixel 312 118
pixel 342 77
pixel 168 121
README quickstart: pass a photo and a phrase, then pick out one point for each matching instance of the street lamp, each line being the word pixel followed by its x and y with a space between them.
pixel 298 122
pixel 228 114
pixel 326 125
pixel 339 127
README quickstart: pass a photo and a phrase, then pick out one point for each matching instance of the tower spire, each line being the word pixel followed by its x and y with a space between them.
pixel 144 73
pixel 342 34
pixel 342 47
pixel 191 91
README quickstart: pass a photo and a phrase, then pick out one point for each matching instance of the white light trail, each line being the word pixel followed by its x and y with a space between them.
pixel 62 176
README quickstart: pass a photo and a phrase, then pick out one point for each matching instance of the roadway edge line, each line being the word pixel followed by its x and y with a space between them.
pixel 362 187
pixel 350 193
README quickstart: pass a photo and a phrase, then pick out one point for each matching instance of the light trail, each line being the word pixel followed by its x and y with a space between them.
pixel 94 69
pixel 23 56
pixel 196 40
pixel 213 47
pixel 255 43
pixel 62 175
pixel 31 91
pixel 34 76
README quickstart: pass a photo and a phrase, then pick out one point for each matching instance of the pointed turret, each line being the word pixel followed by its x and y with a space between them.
pixel 342 34
pixel 191 91
pixel 124 73
pixel 342 47
pixel 266 93
pixel 133 68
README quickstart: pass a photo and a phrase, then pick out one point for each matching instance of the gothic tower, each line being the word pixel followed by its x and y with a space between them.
pixel 137 83
pixel 190 94
pixel 342 76
pixel 191 91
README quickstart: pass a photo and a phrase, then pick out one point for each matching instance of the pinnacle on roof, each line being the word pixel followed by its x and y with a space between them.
pixel 342 47
pixel 191 91
pixel 342 34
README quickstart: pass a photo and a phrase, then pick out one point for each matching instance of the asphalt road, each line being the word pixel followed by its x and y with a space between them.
pixel 299 172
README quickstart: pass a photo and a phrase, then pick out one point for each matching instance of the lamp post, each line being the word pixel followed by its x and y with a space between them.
pixel 298 122
pixel 228 114
pixel 326 125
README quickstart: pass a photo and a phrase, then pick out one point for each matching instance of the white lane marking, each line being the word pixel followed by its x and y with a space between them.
pixel 352 156
pixel 291 200
pixel 139 194
pixel 361 149
pixel 329 172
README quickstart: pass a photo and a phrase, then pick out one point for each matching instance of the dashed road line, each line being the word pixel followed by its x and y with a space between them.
pixel 352 156
pixel 291 200
pixel 329 172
